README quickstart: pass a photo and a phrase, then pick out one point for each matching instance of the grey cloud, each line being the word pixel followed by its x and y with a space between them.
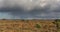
pixel 35 9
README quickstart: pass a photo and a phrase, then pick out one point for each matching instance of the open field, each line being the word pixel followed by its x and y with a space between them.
pixel 28 26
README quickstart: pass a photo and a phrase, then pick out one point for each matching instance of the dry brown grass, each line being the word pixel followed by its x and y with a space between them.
pixel 27 26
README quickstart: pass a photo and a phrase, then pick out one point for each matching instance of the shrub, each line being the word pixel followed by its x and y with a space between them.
pixel 37 26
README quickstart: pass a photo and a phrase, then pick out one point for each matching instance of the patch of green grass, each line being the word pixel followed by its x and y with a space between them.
pixel 37 26
pixel 58 24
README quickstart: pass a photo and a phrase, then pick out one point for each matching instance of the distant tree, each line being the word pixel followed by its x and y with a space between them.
pixel 3 19
pixel 57 20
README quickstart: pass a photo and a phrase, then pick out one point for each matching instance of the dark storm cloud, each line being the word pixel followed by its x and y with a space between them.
pixel 49 9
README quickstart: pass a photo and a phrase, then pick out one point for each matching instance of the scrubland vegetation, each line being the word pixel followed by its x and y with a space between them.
pixel 29 25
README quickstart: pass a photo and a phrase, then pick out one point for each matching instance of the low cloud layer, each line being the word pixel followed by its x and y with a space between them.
pixel 29 9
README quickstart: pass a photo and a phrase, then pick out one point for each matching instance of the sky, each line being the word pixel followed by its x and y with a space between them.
pixel 29 9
